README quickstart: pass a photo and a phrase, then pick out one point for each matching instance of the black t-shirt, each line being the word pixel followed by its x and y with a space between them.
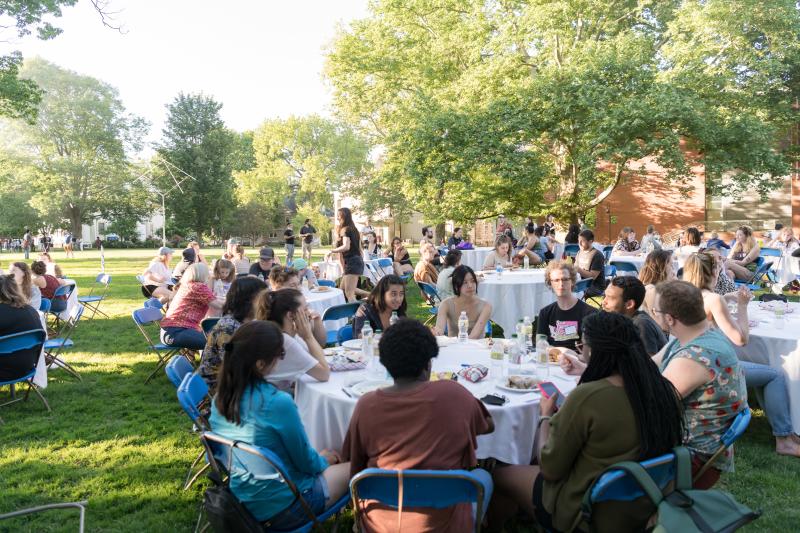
pixel 597 263
pixel 563 327
pixel 16 320
pixel 288 236
pixel 257 271
pixel 453 241
pixel 355 249
pixel 650 332
pixel 308 230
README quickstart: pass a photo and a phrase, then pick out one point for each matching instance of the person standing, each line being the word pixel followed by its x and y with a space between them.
pixel 288 237
pixel 27 242
pixel 307 233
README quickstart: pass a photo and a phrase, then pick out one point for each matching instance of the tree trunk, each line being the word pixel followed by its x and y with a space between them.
pixel 439 232
pixel 76 227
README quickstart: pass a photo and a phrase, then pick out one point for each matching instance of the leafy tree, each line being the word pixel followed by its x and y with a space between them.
pixel 488 106
pixel 74 156
pixel 196 141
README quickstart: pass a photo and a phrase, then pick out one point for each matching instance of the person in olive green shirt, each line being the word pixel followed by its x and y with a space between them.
pixel 621 410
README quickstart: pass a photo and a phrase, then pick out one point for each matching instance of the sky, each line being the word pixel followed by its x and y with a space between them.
pixel 260 58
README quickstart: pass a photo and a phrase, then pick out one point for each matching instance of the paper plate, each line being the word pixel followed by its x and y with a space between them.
pixel 352 344
pixel 321 289
pixel 360 389
pixel 503 384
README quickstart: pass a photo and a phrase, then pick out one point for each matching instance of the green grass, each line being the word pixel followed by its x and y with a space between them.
pixel 125 446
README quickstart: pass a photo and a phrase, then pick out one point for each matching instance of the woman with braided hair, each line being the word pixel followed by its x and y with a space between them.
pixel 622 409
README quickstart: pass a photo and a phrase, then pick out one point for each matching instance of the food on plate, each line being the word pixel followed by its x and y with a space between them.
pixel 322 288
pixel 522 382
pixel 553 354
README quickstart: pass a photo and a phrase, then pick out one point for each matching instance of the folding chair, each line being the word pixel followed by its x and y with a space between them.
pixel 144 318
pixel 54 347
pixel 226 455
pixel 438 489
pixel 16 342
pixel 625 268
pixel 326 283
pixel 607 251
pixel 66 292
pixel 432 298
pixel 620 486
pixel 344 334
pixel 571 250
pixel 735 430
pixel 193 397
pixel 754 283
pixel 207 324
pixel 81 506
pixel 338 312
pixel 177 368
pixel 771 252
pixel 582 286
pixel 610 272
pixel 92 301
pixel 44 306
pixel 385 262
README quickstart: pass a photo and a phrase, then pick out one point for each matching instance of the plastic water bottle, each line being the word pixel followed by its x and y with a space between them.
pixel 499 269
pixel 527 327
pixel 394 318
pixel 514 357
pixel 541 355
pixel 463 327
pixel 526 262
pixel 498 358
pixel 366 341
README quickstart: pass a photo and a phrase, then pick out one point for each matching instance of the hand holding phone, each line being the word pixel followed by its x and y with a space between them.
pixel 548 389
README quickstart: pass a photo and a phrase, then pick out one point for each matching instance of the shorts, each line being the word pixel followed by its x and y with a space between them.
pixel 539 512
pixel 354 265
pixel 295 516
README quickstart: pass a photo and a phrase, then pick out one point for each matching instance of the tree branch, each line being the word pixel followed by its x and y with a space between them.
pixel 620 168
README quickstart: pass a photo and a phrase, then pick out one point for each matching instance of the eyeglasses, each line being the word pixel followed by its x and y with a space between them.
pixel 578 346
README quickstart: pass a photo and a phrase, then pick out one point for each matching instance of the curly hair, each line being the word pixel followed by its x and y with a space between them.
pixel 406 348
pixel 559 265
pixel 279 275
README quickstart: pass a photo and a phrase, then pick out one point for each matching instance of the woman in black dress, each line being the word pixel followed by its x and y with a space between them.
pixel 348 246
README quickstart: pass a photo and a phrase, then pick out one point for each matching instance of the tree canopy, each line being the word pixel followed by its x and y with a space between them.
pixel 523 107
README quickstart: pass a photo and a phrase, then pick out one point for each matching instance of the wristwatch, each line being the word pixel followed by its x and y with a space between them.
pixel 541 420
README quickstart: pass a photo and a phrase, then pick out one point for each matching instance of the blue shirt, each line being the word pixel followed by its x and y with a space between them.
pixel 270 419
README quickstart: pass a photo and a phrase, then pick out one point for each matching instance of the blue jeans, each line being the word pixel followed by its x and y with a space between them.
pixel 183 338
pixel 289 253
pixel 295 516
pixel 770 386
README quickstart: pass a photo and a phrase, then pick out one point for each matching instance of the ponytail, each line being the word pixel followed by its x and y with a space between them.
pixel 274 305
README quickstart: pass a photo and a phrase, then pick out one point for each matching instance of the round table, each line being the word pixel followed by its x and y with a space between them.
pixel 326 409
pixel 474 258
pixel 777 344
pixel 515 295
pixel 320 301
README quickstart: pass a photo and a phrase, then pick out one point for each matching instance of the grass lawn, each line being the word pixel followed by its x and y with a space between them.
pixel 125 446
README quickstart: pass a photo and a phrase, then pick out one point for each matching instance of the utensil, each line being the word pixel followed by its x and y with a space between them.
pixel 347 392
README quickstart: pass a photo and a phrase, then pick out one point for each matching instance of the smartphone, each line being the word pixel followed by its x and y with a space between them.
pixel 494 399
pixel 547 388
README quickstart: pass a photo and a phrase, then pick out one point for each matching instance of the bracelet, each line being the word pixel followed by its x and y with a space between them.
pixel 541 420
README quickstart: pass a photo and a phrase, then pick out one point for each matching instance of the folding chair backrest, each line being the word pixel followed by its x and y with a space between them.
pixel 191 393
pixel 24 340
pixel 147 315
pixel 345 334
pixel 103 278
pixel 421 488
pixel 571 250
pixel 45 304
pixel 326 283
pixel 610 271
pixel 154 303
pixel 338 312
pixel 177 369
pixel 63 290
pixel 737 427
pixel 384 262
pixel 607 251
pixel 260 462
pixel 582 285
pixel 431 294
pixel 207 324
pixel 617 485
pixel 771 252
pixel 625 266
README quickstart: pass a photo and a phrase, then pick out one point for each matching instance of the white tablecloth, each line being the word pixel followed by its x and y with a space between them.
pixel 320 301
pixel 516 294
pixel 331 270
pixel 326 410
pixel 782 267
pixel 475 258
pixel 777 345
pixel 636 260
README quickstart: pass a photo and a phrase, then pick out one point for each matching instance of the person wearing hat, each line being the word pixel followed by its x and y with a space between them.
pixel 266 260
pixel 157 276
pixel 305 273
pixel 189 258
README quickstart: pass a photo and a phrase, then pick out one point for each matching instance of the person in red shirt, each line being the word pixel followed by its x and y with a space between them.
pixel 193 298
pixel 415 424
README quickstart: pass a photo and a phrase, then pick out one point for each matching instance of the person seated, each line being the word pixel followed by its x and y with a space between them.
pixel 548 242
pixel 501 255
pixel 742 261
pixel 304 355
pixel 715 242
pixel 785 241
pixel 388 296
pixel 425 270
pixel 690 244
pixel 657 268
pixel 626 243
pixel 22 275
pixel 701 270
pixel 237 309
pixel 158 277
pixel 283 278
pixel 530 247
pixel 305 273
pixel 504 228
pixel 456 238
pixel 189 258
pixel 651 240
pixel 415 424
pixel 249 408
pixel 192 302
pixel 549 223
pixel 52 268
pixel 242 263
pixel 199 257
pixel 703 366
pixel 562 320
pixel 621 410
pixel 725 285
pixel 444 285
pixel 372 250
pixel 624 295
pixel 223 277
pixel 16 316
pixel 401 261
pixel 572 234
pixel 262 268
pixel 427 238
pixel 465 290
pixel 590 263
pixel 47 286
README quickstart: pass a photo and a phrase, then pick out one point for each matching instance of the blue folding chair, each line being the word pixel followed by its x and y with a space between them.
pixel 153 303
pixel 326 283
pixel 177 368
pixel 344 334
pixel 229 457
pixel 338 312
pixel 146 318
pixel 436 489
pixel 432 298
pixel 625 268
pixel 571 250
pixel 607 251
pixel 59 302
pixel 385 262
pixel 44 305
pixel 771 252
pixel 16 342
pixel 754 283
pixel 193 397
pixel 53 347
pixel 735 430
pixel 610 271
pixel 581 286
pixel 207 324
pixel 92 300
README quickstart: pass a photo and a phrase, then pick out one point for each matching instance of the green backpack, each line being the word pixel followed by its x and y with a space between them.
pixel 684 509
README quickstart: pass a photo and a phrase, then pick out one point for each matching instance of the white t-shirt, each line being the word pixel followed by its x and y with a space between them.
pixel 444 283
pixel 297 362
pixel 160 269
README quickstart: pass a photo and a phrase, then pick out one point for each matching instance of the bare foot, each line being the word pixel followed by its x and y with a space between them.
pixel 787 446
